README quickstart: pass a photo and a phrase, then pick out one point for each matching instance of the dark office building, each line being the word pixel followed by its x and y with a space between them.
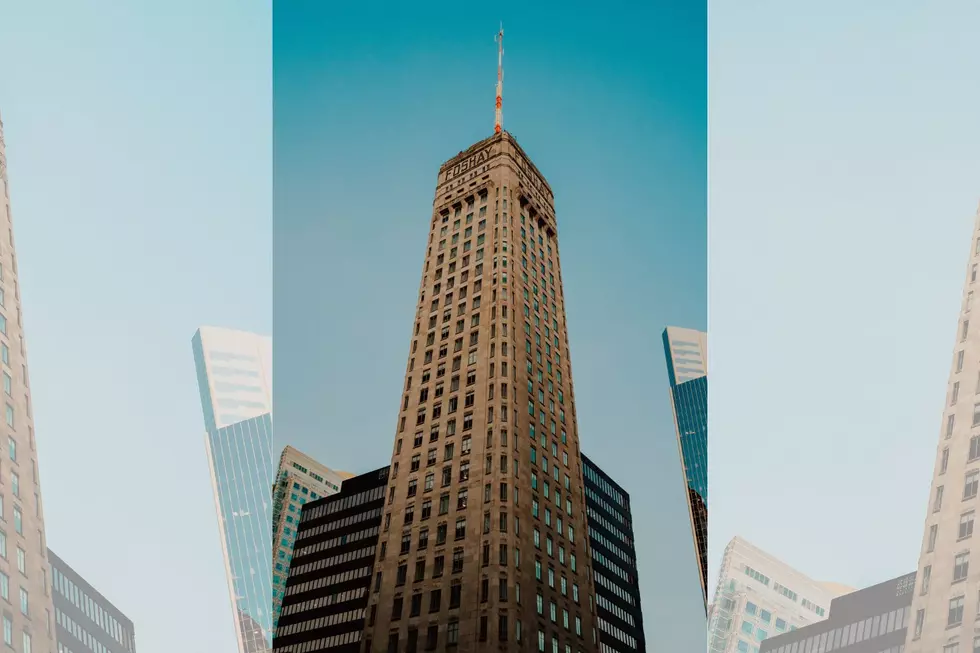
pixel 326 598
pixel 610 523
pixel 872 620
pixel 85 621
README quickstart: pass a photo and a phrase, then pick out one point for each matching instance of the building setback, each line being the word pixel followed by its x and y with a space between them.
pixel 947 604
pixel 326 598
pixel 687 370
pixel 486 427
pixel 234 372
pixel 300 479
pixel 872 620
pixel 27 615
pixel 759 596
pixel 85 621
pixel 617 591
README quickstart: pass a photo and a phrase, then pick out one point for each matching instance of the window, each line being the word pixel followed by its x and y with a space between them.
pixel 971 484
pixel 452 633
pixel 926 576
pixel 966 525
pixel 937 502
pixel 961 566
pixel 25 605
pixel 955 615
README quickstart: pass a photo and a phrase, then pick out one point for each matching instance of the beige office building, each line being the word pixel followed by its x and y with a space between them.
pixel 759 596
pixel 299 479
pixel 484 543
pixel 27 617
pixel 946 606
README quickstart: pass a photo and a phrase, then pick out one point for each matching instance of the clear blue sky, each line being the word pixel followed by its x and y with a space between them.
pixel 139 145
pixel 845 175
pixel 611 106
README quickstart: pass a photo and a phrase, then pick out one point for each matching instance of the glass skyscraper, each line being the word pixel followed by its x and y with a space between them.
pixel 234 371
pixel 687 369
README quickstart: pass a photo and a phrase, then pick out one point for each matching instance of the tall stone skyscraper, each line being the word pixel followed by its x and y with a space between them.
pixel 483 541
pixel 947 598
pixel 27 621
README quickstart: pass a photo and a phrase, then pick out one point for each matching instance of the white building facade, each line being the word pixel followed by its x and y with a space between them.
pixel 759 596
pixel 300 479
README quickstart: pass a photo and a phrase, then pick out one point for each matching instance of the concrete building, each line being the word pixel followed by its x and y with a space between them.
pixel 325 607
pixel 234 372
pixel 619 613
pixel 300 479
pixel 486 426
pixel 85 621
pixel 947 604
pixel 27 614
pixel 872 620
pixel 687 370
pixel 759 596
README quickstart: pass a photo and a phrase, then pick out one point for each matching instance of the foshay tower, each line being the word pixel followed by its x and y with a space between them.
pixel 946 605
pixel 483 540
pixel 28 614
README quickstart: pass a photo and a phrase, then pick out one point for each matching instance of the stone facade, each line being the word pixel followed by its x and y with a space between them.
pixel 946 607
pixel 22 524
pixel 486 447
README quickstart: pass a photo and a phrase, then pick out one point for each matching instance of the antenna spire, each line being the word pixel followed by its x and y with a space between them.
pixel 498 123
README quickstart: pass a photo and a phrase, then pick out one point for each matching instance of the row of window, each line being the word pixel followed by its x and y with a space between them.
pixel 784 591
pixel 92 609
pixel 850 634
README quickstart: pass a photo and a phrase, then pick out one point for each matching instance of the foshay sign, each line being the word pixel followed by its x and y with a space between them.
pixel 469 163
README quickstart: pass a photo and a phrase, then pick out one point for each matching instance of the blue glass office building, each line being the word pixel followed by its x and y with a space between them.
pixel 686 351
pixel 234 378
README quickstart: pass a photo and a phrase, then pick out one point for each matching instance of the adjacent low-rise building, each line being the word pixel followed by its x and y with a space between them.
pixel 872 620
pixel 325 606
pixel 85 621
pixel 617 590
pixel 758 596
pixel 300 479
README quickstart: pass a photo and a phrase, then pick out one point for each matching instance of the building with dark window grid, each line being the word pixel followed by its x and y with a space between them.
pixel 872 620
pixel 326 600
pixel 687 371
pixel 85 621
pixel 610 524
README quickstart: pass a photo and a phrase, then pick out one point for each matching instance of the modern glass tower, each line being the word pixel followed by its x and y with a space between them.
pixel 24 575
pixel 946 605
pixel 485 435
pixel 234 373
pixel 687 369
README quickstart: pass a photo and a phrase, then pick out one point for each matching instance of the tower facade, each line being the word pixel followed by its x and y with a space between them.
pixel 27 619
pixel 687 369
pixel 946 605
pixel 486 436
pixel 234 371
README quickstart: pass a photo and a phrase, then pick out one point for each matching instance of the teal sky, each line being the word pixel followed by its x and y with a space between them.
pixel 844 182
pixel 139 147
pixel 610 103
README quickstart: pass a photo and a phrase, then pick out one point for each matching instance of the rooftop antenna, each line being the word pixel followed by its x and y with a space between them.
pixel 498 123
